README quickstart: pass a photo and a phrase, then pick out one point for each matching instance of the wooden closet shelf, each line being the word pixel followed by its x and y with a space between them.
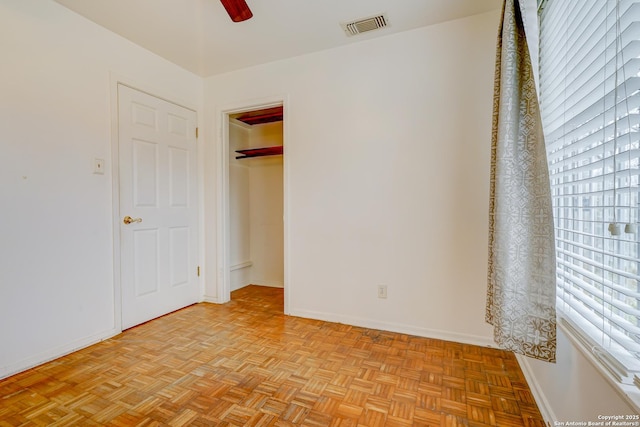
pixel 259 152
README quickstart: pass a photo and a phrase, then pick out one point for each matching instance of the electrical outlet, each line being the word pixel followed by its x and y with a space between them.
pixel 98 166
pixel 382 291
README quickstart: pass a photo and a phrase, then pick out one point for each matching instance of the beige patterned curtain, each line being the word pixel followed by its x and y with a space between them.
pixel 521 278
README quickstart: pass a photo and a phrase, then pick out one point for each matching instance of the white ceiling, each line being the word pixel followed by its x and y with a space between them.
pixel 199 36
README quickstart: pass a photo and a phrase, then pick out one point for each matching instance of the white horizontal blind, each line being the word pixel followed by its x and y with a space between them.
pixel 592 134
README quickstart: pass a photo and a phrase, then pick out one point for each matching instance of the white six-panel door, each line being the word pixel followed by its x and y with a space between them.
pixel 158 192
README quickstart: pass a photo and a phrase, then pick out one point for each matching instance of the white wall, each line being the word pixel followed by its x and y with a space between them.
pixel 56 236
pixel 387 167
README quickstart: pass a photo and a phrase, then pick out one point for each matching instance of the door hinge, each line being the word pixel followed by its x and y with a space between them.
pixel 196 132
pixel 198 271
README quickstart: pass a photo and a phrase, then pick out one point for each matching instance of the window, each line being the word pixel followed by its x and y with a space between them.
pixel 590 98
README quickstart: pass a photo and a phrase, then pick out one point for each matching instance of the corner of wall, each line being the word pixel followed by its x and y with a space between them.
pixel 536 389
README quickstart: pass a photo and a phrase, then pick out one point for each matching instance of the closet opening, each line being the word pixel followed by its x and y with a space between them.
pixel 256 199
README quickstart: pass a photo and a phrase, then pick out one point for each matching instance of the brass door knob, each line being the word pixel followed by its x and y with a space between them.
pixel 128 220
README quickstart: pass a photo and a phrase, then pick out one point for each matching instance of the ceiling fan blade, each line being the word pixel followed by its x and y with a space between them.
pixel 238 10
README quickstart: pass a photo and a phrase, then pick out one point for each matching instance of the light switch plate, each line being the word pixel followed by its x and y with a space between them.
pixel 98 166
pixel 382 291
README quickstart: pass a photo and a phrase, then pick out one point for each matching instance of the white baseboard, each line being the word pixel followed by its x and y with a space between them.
pixel 268 283
pixel 211 299
pixel 54 353
pixel 396 327
pixel 536 390
pixel 241 265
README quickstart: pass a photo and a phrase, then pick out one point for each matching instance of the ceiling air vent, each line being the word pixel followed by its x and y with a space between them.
pixel 364 25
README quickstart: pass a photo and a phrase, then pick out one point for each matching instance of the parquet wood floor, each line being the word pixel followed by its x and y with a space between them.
pixel 246 364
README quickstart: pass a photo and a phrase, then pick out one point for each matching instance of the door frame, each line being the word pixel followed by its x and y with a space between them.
pixel 223 239
pixel 114 81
